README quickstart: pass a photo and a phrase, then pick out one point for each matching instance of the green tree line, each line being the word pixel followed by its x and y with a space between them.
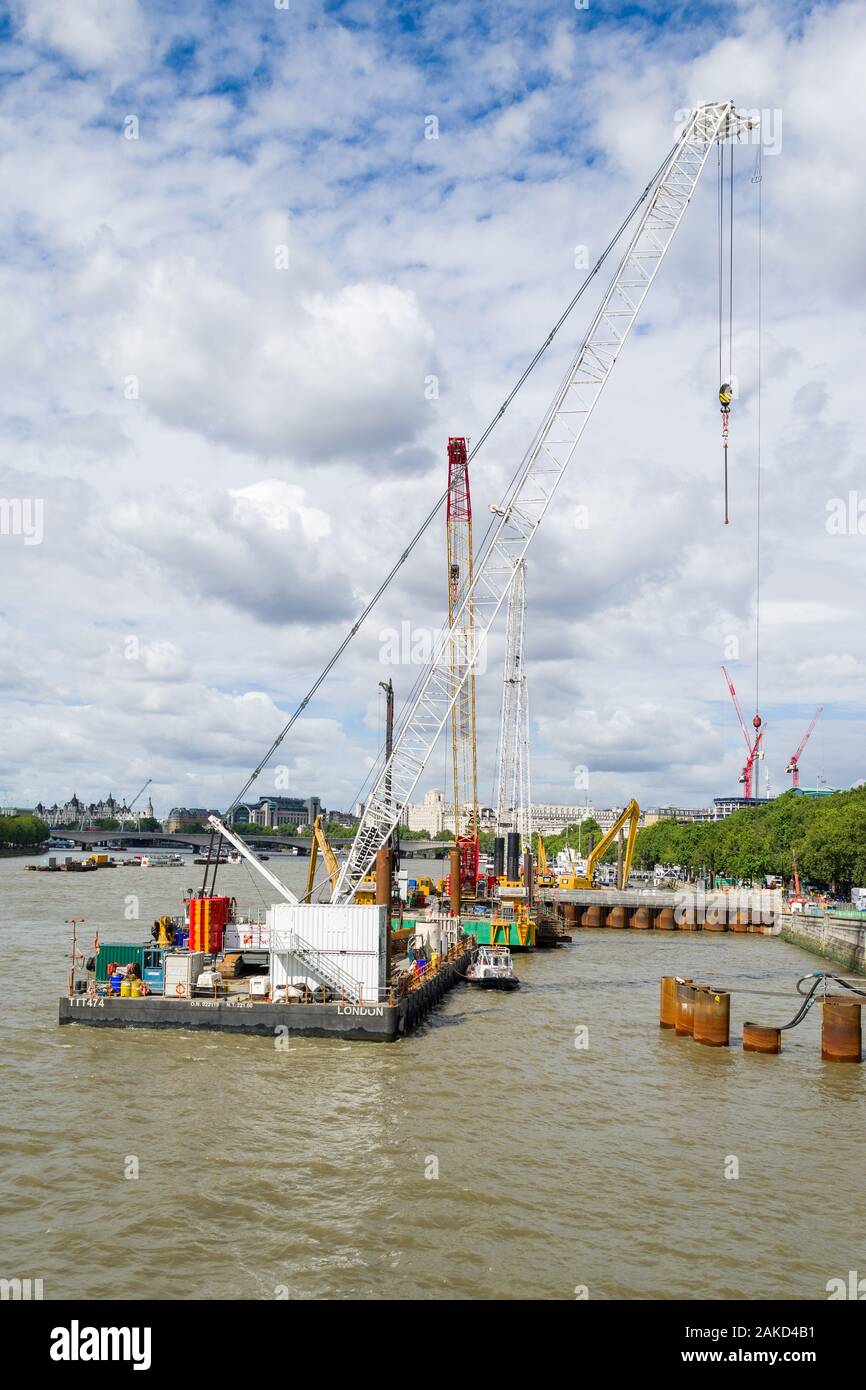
pixel 827 834
pixel 22 832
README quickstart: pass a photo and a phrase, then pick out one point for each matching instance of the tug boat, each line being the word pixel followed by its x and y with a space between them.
pixel 491 968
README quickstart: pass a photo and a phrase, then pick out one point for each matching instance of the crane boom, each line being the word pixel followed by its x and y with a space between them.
pixel 737 708
pixel 521 512
pixel 794 761
pixel 139 793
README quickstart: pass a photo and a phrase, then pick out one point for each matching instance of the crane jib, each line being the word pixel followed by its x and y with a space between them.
pixel 521 512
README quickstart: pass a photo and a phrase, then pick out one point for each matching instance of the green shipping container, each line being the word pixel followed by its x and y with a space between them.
pixel 141 954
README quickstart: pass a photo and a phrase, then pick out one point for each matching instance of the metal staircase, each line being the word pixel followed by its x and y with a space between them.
pixel 330 974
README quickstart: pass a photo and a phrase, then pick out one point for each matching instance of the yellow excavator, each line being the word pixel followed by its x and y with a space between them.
pixel 319 842
pixel 630 816
pixel 544 876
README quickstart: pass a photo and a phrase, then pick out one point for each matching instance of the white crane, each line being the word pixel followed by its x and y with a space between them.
pixel 513 796
pixel 521 512
pixel 523 509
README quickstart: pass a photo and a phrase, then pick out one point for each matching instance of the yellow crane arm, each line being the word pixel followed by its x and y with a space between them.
pixel 319 841
pixel 631 814
pixel 542 857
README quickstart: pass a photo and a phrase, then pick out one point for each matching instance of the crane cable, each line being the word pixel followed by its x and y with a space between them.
pixel 757 180
pixel 726 389
pixel 431 515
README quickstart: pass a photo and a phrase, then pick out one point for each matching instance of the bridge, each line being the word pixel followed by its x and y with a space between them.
pixel 173 840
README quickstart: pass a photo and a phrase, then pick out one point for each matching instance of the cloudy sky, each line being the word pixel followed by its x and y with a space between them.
pixel 260 262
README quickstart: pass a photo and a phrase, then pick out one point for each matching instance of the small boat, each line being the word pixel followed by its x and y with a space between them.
pixel 491 968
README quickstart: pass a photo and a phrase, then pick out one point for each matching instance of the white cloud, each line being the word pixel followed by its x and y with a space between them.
pixel 90 34
pixel 282 450
pixel 273 366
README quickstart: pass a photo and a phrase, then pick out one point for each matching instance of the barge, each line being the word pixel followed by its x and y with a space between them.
pixel 404 1007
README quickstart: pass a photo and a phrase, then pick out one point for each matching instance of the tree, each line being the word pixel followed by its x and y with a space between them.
pixel 828 835
pixel 22 832
pixel 149 823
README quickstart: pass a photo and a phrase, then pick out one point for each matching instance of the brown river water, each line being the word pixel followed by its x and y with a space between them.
pixel 305 1173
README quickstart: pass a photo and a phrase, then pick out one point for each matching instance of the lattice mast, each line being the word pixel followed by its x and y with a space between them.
pixel 513 793
pixel 461 624
pixel 520 513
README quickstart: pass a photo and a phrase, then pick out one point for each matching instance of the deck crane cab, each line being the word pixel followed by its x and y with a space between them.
pixel 630 817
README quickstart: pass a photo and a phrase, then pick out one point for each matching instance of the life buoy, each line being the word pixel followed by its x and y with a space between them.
pixel 180 989
pixel 145 990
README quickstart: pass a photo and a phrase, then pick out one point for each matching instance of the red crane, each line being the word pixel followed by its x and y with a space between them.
pixel 752 748
pixel 794 765
pixel 458 523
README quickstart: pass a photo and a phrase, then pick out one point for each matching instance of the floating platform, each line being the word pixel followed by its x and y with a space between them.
pixel 384 1022
pixel 500 931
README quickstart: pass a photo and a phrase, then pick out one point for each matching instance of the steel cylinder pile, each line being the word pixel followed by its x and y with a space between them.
pixel 701 1012
pixel 695 1011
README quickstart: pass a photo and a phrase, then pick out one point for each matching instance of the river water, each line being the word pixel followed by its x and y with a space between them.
pixel 311 1172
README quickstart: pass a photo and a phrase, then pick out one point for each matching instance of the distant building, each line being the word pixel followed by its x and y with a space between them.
pixel 429 814
pixel 340 818
pixel 726 805
pixel 552 820
pixel 179 816
pixel 680 814
pixel 273 811
pixel 76 813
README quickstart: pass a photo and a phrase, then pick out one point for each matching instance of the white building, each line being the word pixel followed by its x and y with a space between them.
pixel 548 819
pixel 436 813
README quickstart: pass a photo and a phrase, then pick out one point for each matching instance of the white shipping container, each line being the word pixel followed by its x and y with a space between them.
pixel 350 941
pixel 182 969
pixel 247 936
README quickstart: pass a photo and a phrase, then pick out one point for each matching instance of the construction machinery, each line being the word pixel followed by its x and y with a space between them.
pixel 513 798
pixel 753 748
pixel 794 764
pixel 544 876
pixel 319 844
pixel 517 517
pixel 461 623
pixel 629 817
pixel 646 235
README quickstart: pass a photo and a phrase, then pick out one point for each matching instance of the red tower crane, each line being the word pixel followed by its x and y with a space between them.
pixel 753 748
pixel 462 656
pixel 794 765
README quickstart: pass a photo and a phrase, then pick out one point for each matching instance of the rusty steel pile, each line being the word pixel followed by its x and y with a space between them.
pixel 698 1011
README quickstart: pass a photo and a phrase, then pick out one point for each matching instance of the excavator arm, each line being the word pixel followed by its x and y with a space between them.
pixel 319 842
pixel 630 816
pixel 542 857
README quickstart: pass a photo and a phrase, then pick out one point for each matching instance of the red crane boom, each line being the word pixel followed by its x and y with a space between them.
pixel 794 764
pixel 753 748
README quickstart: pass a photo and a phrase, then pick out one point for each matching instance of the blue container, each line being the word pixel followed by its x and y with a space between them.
pixel 114 981
pixel 413 884
pixel 181 936
pixel 154 976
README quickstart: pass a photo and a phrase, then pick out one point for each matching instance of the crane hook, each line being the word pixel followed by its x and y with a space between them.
pixel 726 395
